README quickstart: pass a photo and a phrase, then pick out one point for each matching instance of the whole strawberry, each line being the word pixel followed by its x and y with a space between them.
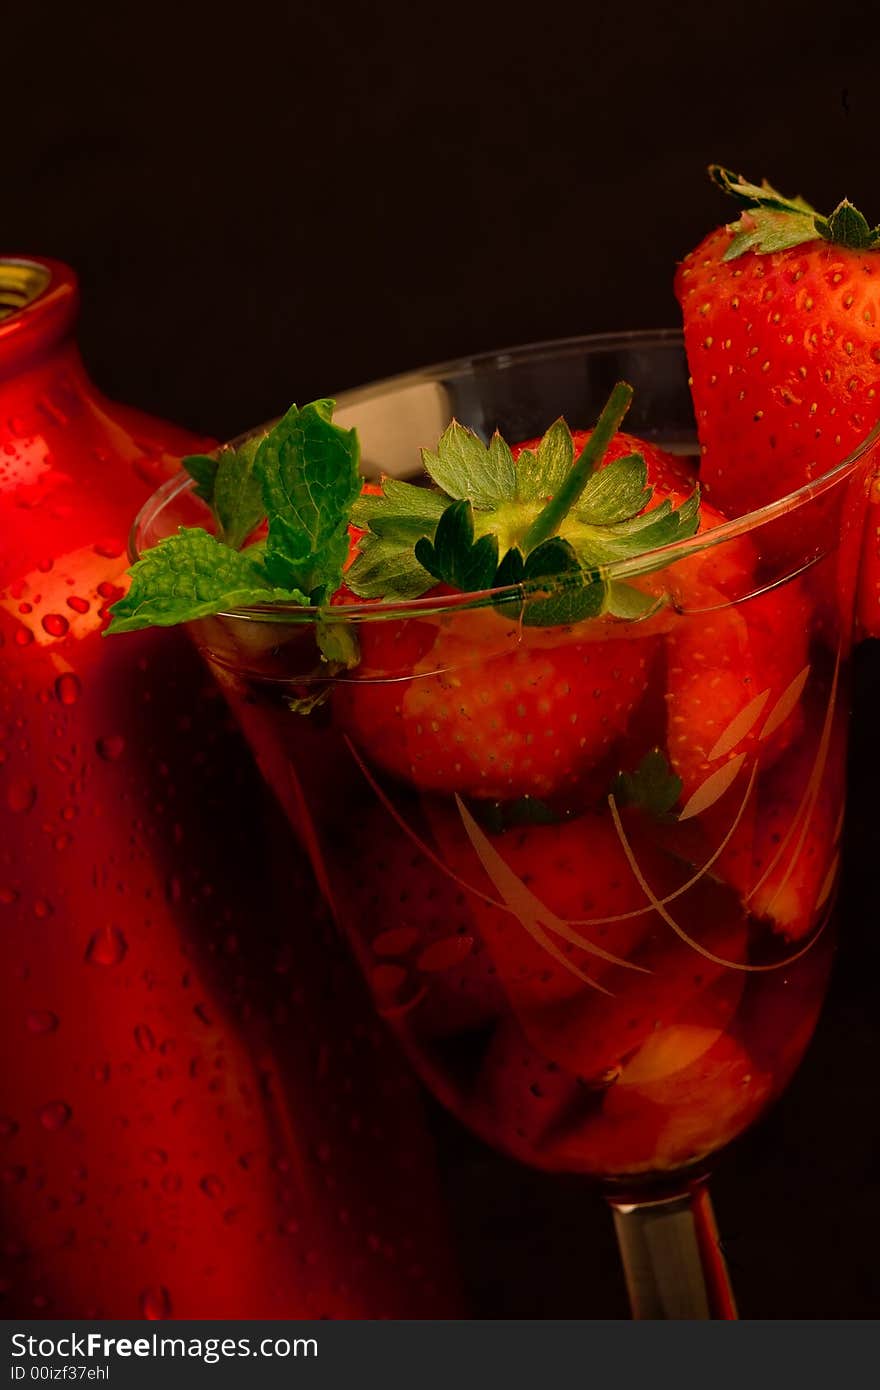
pixel 782 330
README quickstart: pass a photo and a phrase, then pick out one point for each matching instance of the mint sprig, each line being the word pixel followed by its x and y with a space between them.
pixel 303 477
pixel 308 470
pixel 192 575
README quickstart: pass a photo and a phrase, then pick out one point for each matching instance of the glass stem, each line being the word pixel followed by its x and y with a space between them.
pixel 672 1259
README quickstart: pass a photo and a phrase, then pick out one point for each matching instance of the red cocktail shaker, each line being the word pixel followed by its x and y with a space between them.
pixel 198 1116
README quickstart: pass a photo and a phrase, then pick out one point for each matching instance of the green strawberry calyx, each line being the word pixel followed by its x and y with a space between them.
pixel 549 522
pixel 773 222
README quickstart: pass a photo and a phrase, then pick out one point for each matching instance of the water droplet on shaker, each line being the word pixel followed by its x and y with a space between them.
pixel 55 1115
pixel 42 1021
pixel 56 625
pixel 107 946
pixel 20 794
pixel 110 748
pixel 68 688
pixel 156 1303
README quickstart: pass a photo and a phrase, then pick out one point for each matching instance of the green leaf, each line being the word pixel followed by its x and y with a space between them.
pixel 626 601
pixel 403 511
pixel 238 498
pixel 847 227
pixel 203 469
pixel 653 786
pixel 776 223
pixel 540 475
pixel 337 641
pixel 304 704
pixel 753 195
pixel 767 231
pixel 558 590
pixel 626 540
pixel 615 493
pixel 454 557
pixel 387 569
pixel 192 575
pixel 469 471
pixel 308 471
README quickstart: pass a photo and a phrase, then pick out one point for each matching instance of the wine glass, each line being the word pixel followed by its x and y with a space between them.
pixel 618 978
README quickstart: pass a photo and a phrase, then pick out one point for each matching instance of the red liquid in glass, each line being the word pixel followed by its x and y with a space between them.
pixel 717 921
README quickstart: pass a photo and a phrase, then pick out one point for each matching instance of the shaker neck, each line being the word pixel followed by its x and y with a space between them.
pixel 39 303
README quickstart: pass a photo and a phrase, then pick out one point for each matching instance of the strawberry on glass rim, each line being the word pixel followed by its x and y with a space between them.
pixel 782 328
pixel 563 733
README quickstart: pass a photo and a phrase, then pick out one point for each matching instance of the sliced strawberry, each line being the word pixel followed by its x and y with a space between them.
pixel 412 926
pixel 691 1091
pixel 559 883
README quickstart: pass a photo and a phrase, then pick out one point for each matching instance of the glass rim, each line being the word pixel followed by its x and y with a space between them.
pixel 652 560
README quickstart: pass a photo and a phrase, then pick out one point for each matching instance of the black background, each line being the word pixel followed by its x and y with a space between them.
pixel 289 200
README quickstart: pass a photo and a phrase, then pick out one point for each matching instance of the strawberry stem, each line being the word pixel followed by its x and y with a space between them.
pixel 548 521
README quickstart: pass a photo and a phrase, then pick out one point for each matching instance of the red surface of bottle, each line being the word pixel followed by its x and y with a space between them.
pixel 198 1115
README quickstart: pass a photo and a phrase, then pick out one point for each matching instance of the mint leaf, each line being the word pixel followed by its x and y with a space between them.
pixel 304 704
pixel 466 469
pixel 202 468
pixel 238 498
pixel 308 471
pixel 454 557
pixel 539 475
pixel 653 786
pixel 192 575
pixel 337 642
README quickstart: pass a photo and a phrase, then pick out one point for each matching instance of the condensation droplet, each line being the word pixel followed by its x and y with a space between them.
pixel 43 908
pixel 156 1303
pixel 56 625
pixel 109 547
pixel 68 688
pixel 8 896
pixel 156 1157
pixel 143 1036
pixel 23 637
pixel 171 1183
pixel 212 1186
pixel 111 747
pixel 42 1021
pixel 20 794
pixel 107 946
pixel 55 1115
pixel 79 605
